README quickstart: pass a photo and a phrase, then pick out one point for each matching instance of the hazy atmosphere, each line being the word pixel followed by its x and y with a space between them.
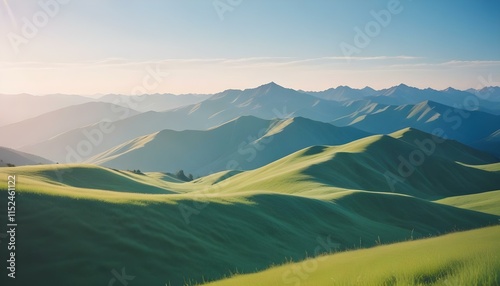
pixel 249 142
pixel 98 47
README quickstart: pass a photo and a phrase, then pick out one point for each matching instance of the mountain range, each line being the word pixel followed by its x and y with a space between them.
pixel 474 127
pixel 281 176
pixel 247 142
pixel 17 158
pixel 331 197
pixel 48 125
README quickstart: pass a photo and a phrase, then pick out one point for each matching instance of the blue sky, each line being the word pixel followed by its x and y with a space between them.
pixel 98 46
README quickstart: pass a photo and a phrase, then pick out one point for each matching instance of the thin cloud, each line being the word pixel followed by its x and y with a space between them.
pixel 449 64
pixel 266 61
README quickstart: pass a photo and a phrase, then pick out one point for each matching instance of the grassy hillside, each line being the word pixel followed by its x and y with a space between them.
pixel 81 180
pixel 86 221
pixel 67 230
pixel 466 258
pixel 244 143
pixel 158 244
pixel 487 202
pixel 365 163
pixel 164 231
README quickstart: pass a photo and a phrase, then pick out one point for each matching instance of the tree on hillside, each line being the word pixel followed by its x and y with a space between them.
pixel 181 176
pixel 136 171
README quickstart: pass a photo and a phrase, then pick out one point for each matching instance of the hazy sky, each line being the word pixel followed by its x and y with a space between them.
pixel 205 46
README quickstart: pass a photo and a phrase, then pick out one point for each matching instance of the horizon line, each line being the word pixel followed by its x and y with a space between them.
pixel 98 95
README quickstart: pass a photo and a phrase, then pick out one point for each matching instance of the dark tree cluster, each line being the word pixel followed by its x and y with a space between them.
pixel 181 176
pixel 8 164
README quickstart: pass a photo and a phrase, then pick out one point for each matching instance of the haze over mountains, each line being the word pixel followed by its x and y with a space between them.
pixel 247 143
pixel 13 157
pixel 470 117
pixel 14 106
pixel 473 128
pixel 336 197
pixel 153 102
pixel 278 172
pixel 18 107
pixel 60 121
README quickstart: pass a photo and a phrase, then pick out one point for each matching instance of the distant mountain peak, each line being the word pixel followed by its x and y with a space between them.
pixel 344 87
pixel 400 89
pixel 403 86
pixel 407 131
pixel 449 89
pixel 271 84
pixel 271 88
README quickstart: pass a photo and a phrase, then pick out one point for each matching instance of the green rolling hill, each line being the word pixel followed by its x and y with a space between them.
pixel 244 143
pixel 162 238
pixel 161 230
pixel 364 165
pixel 487 202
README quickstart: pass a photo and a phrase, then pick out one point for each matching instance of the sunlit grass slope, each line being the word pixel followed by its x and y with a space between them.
pixel 373 164
pixel 42 178
pixel 466 258
pixel 488 202
pixel 159 238
pixel 78 223
pixel 79 181
pixel 246 142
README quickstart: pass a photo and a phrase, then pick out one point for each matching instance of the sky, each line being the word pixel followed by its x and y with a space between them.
pixel 92 47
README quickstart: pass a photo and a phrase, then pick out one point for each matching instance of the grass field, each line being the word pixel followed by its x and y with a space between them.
pixel 79 223
pixel 465 258
pixel 68 231
pixel 487 202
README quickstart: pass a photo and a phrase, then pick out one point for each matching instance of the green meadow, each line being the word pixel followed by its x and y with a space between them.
pixel 81 224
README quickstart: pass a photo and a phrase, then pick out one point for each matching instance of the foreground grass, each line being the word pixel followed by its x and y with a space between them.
pixel 81 219
pixel 466 258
